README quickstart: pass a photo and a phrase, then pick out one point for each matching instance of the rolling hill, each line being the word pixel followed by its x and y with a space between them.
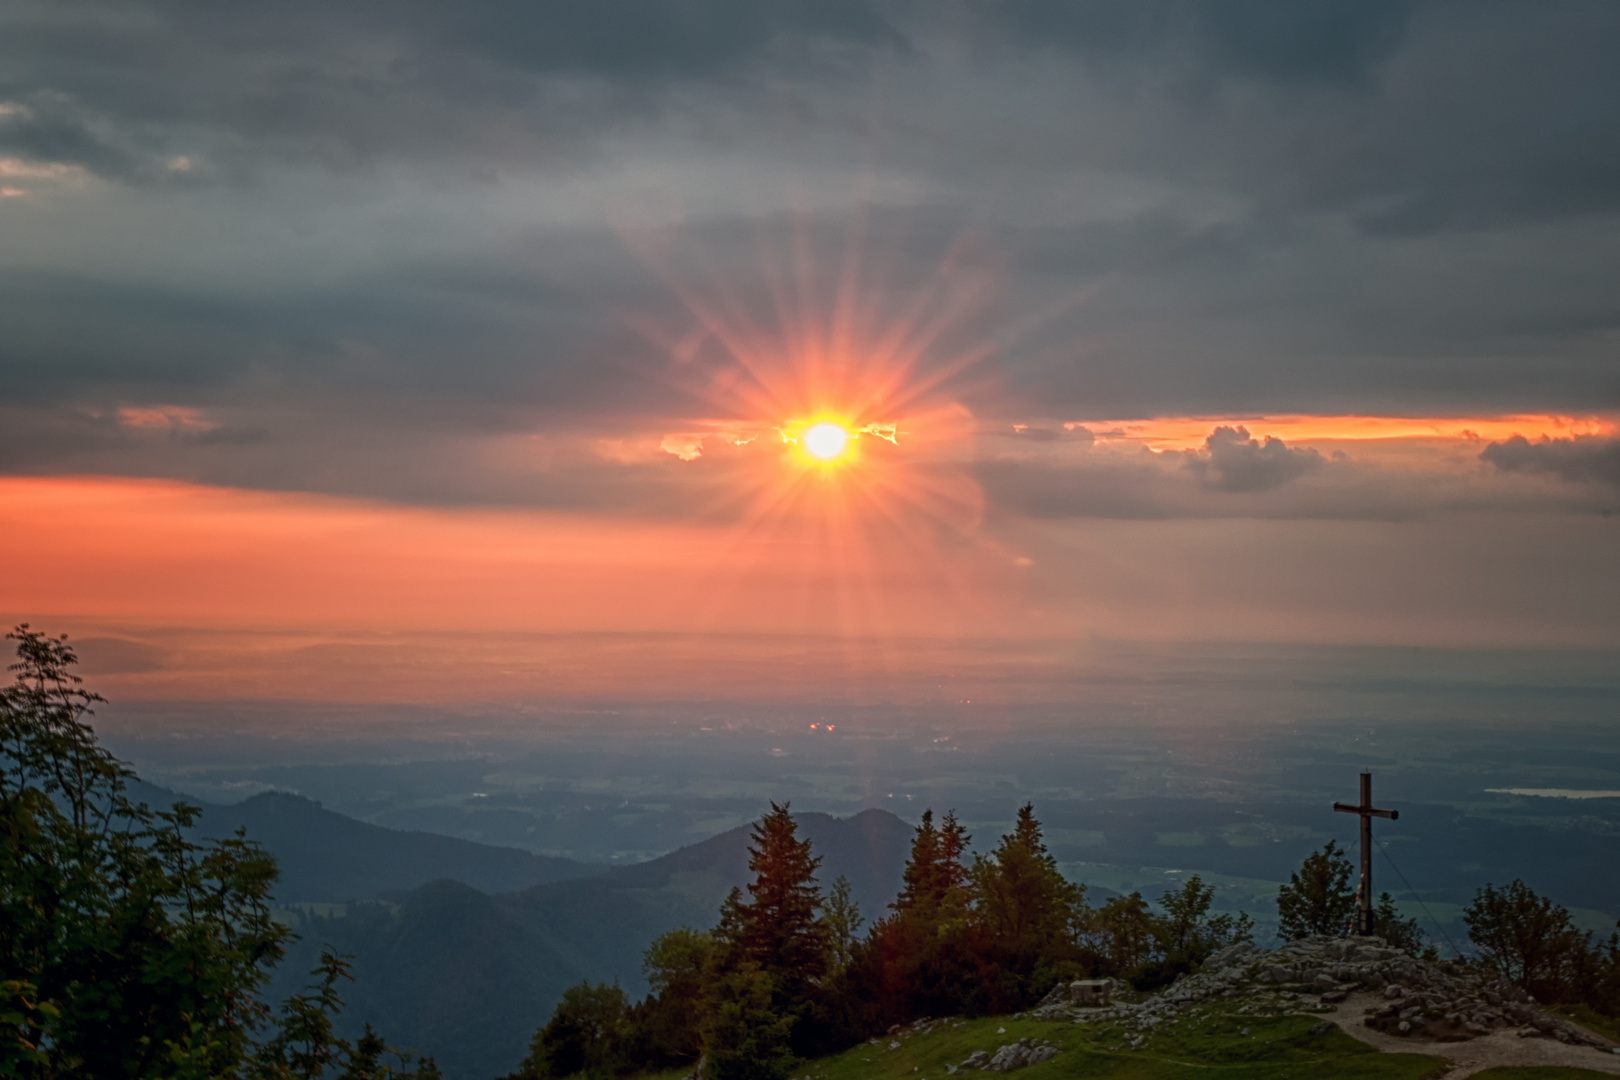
pixel 468 977
pixel 326 857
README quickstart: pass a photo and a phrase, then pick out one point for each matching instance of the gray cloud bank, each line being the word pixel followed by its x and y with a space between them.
pixel 1578 459
pixel 1233 461
pixel 355 236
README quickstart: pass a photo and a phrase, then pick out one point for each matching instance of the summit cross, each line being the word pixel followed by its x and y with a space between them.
pixel 1364 909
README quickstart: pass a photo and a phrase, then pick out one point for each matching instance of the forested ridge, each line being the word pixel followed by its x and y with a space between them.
pixel 786 975
pixel 135 947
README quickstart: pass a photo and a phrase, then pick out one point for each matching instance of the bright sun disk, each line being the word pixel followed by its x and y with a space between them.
pixel 826 441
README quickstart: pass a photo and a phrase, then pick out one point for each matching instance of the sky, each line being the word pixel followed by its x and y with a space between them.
pixel 421 352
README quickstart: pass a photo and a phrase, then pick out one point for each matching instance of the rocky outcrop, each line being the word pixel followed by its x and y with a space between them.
pixel 1445 1000
pixel 1007 1058
pixel 1083 993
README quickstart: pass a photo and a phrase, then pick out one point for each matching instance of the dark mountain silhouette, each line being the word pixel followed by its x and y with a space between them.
pixel 468 977
pixel 327 857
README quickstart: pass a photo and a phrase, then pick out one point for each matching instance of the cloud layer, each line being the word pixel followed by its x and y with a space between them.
pixel 582 260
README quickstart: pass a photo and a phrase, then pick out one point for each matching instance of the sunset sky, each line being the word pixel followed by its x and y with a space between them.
pixel 419 352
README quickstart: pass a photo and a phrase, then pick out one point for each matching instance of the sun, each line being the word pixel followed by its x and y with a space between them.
pixel 826 441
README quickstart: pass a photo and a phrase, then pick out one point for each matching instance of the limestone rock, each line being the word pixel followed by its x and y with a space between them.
pixel 1444 1001
pixel 1012 1056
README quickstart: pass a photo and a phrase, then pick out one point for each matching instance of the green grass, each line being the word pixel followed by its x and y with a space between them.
pixel 1211 1044
pixel 1584 1015
pixel 1538 1072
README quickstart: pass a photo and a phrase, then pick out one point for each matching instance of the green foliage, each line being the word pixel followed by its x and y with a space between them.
pixel 1318 898
pixel 934 892
pixel 1526 939
pixel 680 968
pixel 132 937
pixel 587 1035
pixel 985 939
pixel 678 962
pixel 1276 1048
pixel 1403 934
pixel 736 995
pixel 841 925
pixel 1539 1072
pixel 1122 933
pixel 130 950
pixel 1019 896
pixel 746 1036
pixel 305 1044
pixel 776 929
pixel 1184 912
pixel 1531 942
pixel 1178 941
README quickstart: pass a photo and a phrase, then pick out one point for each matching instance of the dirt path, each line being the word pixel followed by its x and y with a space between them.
pixel 1488 1051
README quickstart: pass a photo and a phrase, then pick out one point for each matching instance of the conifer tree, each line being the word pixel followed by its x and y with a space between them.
pixel 1019 895
pixel 776 929
pixel 920 886
pixel 953 844
pixel 933 893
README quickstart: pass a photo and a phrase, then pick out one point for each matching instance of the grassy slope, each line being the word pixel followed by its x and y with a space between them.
pixel 1209 1045
pixel 1212 1045
pixel 1607 1026
pixel 1539 1072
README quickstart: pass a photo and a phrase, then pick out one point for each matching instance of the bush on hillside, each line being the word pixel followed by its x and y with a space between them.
pixel 1532 942
pixel 1318 898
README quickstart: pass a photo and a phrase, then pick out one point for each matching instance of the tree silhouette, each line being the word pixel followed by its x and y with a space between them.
pixel 1318 898
pixel 777 929
pixel 1020 896
pixel 129 949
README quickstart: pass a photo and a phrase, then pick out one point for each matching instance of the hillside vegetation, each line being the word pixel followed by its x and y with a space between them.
pixel 136 944
pixel 473 975
pixel 1214 1045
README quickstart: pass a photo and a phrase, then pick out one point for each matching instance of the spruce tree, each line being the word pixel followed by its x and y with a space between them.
pixel 920 886
pixel 933 895
pixel 776 929
pixel 953 844
pixel 1019 895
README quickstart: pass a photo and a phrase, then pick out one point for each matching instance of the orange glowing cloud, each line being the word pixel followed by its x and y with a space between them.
pixel 1189 432
pixel 165 417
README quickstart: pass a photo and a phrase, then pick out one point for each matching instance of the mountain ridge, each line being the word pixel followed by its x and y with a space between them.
pixel 538 941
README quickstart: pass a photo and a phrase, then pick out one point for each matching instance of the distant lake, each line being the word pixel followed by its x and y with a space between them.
pixel 1555 792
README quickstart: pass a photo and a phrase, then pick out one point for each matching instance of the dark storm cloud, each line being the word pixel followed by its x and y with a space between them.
pixel 1234 461
pixel 1043 433
pixel 1582 459
pixel 344 231
pixel 52 131
pixel 120 88
pixel 1303 41
pixel 1147 489
pixel 1412 117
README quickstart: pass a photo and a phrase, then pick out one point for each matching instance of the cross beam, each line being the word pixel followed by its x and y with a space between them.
pixel 1364 911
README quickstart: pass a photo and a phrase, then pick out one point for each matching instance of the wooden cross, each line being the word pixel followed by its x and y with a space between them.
pixel 1364 912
